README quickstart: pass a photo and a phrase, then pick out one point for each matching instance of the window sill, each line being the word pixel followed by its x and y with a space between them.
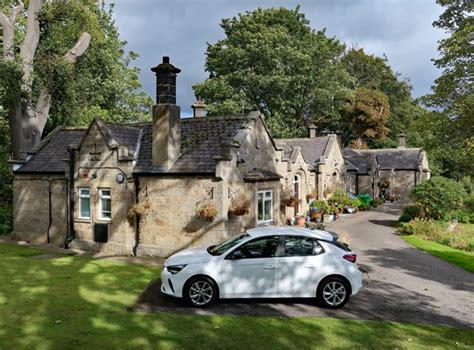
pixel 83 220
pixel 262 223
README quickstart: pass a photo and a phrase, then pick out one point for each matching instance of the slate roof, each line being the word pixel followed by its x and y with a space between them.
pixel 311 148
pixel 261 175
pixel 390 158
pixel 201 143
pixel 52 151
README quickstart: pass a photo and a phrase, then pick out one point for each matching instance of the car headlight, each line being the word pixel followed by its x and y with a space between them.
pixel 174 269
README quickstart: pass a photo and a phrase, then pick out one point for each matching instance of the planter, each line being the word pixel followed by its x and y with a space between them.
pixel 237 212
pixel 300 221
pixel 350 210
pixel 327 218
pixel 291 202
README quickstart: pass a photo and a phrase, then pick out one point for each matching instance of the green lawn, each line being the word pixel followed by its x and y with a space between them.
pixel 457 257
pixel 62 302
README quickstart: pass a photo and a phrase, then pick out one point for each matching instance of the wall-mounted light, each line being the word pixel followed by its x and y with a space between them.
pixel 120 178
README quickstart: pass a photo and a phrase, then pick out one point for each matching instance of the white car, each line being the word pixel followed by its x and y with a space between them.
pixel 265 262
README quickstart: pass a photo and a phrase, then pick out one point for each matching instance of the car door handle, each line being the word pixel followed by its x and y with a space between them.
pixel 269 267
pixel 310 266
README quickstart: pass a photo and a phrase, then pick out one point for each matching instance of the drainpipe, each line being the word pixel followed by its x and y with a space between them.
pixel 137 218
pixel 70 208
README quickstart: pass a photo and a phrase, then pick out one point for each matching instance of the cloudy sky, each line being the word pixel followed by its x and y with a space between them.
pixel 401 29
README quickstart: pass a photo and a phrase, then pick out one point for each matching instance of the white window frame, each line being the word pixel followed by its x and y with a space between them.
pixel 101 197
pixel 81 196
pixel 265 197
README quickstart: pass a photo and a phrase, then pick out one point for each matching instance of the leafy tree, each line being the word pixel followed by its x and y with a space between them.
pixel 372 72
pixel 453 92
pixel 272 61
pixel 70 66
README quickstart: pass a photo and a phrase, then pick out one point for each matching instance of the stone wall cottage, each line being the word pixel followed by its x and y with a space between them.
pixel 399 170
pixel 142 188
pixel 313 165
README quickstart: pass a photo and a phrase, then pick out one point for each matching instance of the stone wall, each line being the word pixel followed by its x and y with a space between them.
pixel 40 208
pixel 100 171
pixel 332 172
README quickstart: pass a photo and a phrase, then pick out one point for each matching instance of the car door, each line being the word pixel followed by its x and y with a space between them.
pixel 300 266
pixel 251 269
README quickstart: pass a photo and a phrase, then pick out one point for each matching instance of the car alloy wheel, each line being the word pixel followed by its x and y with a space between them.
pixel 201 292
pixel 333 293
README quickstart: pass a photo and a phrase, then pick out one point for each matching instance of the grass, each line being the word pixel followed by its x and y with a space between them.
pixel 51 301
pixel 457 257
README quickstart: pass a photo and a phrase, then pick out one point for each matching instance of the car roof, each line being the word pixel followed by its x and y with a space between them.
pixel 289 231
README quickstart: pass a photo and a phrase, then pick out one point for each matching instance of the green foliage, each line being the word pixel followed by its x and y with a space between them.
pixel 376 202
pixel 461 215
pixel 321 205
pixel 341 198
pixel 314 225
pixel 272 61
pixel 6 219
pixel 461 238
pixel 411 211
pixel 365 201
pixel 355 203
pixel 439 196
pixel 101 83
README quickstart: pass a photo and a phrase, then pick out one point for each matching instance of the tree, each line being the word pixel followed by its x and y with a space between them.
pixel 453 92
pixel 272 61
pixel 372 72
pixel 365 115
pixel 70 67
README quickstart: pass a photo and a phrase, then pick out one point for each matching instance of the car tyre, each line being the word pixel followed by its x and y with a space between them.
pixel 333 293
pixel 200 292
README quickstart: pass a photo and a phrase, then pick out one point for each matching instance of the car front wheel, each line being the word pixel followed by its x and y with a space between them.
pixel 333 293
pixel 200 292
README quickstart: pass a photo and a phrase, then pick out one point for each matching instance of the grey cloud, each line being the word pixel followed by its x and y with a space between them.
pixel 180 29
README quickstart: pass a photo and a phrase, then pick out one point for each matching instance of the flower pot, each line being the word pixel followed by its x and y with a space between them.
pixel 300 221
pixel 350 210
pixel 327 218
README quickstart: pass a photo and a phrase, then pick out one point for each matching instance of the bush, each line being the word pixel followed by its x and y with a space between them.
pixel 411 211
pixel 376 202
pixel 439 196
pixel 341 198
pixel 460 215
pixel 405 218
pixel 6 220
pixel 321 205
pixel 461 238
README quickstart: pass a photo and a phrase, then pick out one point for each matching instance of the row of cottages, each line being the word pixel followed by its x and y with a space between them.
pixel 142 188
pixel 388 172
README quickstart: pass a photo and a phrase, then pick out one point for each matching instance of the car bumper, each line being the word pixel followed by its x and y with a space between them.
pixel 170 285
pixel 356 281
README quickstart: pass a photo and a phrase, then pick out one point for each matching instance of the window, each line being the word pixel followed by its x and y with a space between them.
pixel 264 247
pixel 105 204
pixel 84 203
pixel 302 246
pixel 264 206
pixel 225 246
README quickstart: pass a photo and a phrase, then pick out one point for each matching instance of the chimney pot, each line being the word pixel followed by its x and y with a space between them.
pixel 312 131
pixel 166 82
pixel 199 108
pixel 401 141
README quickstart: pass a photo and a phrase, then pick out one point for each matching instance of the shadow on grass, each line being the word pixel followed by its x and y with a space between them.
pixel 63 302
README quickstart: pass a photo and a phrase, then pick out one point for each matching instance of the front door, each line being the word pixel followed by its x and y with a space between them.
pixel 251 269
pixel 299 267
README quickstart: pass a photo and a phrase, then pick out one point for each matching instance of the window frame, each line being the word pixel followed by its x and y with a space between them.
pixel 283 255
pixel 277 249
pixel 101 197
pixel 81 198
pixel 264 192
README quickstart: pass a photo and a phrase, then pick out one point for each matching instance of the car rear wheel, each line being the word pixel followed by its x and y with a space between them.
pixel 200 292
pixel 333 293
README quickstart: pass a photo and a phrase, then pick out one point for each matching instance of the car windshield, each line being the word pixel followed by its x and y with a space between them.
pixel 226 245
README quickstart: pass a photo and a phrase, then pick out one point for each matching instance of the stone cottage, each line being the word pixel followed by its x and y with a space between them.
pixel 311 168
pixel 394 170
pixel 143 188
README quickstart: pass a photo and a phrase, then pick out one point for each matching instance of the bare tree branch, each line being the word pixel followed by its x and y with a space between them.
pixel 30 44
pixel 8 24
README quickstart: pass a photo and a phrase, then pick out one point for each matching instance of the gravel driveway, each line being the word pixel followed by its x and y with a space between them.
pixel 401 282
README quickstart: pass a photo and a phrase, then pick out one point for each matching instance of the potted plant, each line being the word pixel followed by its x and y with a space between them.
pixel 328 215
pixel 207 212
pixel 310 197
pixel 288 198
pixel 300 220
pixel 239 206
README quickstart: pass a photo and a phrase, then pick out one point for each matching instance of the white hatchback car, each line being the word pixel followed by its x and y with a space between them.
pixel 265 262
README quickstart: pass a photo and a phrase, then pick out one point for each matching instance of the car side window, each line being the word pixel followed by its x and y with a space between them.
pixel 264 247
pixel 302 246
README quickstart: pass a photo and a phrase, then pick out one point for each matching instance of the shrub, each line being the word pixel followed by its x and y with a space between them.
pixel 405 218
pixel 340 197
pixel 376 202
pixel 6 219
pixel 321 205
pixel 412 211
pixel 314 225
pixel 439 196
pixel 460 215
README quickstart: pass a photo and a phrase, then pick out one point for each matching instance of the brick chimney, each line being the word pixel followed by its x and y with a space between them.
pixel 312 131
pixel 199 108
pixel 401 141
pixel 166 146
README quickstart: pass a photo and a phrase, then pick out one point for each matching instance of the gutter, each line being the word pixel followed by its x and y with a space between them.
pixel 137 218
pixel 70 208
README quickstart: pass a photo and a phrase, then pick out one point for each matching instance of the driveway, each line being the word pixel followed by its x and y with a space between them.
pixel 401 282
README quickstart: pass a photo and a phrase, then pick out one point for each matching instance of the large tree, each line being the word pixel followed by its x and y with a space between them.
pixel 70 67
pixel 448 132
pixel 271 60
